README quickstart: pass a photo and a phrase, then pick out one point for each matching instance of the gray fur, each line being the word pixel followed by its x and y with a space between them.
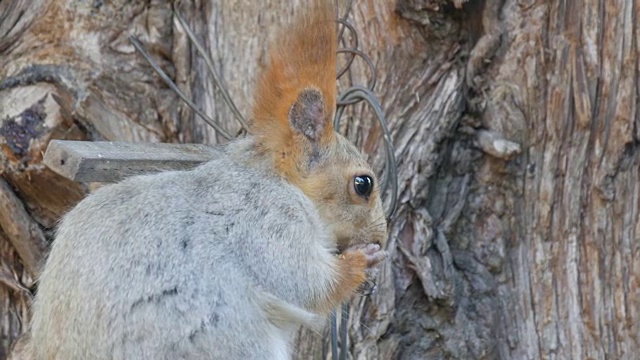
pixel 212 263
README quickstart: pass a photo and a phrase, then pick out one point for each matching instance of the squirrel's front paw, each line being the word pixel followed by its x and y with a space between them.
pixel 374 256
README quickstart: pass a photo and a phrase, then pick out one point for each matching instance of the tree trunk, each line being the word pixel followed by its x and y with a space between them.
pixel 515 129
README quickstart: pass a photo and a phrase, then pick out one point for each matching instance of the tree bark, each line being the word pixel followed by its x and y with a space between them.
pixel 515 129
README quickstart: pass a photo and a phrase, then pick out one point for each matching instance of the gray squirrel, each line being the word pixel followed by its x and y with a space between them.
pixel 227 260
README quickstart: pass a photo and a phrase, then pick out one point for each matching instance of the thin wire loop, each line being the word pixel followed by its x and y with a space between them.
pixel 344 18
pixel 354 34
pixel 372 68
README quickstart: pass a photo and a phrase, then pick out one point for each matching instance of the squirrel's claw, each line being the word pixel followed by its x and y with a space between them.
pixel 374 256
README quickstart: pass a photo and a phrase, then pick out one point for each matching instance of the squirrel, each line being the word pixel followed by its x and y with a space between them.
pixel 226 260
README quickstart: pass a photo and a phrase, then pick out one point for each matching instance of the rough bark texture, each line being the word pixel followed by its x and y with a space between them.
pixel 516 133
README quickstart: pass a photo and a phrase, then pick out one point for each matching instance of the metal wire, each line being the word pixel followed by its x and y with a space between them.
pixel 372 68
pixel 344 18
pixel 344 319
pixel 354 34
pixel 334 336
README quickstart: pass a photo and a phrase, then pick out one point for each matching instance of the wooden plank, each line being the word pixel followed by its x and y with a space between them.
pixel 106 161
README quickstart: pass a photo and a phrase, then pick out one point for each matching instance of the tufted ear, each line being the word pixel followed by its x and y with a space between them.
pixel 308 114
pixel 296 93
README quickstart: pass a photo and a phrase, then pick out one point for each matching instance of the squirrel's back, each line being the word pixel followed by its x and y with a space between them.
pixel 162 258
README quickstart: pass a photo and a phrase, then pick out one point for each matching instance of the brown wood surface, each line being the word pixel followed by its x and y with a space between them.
pixel 21 230
pixel 112 161
pixel 516 131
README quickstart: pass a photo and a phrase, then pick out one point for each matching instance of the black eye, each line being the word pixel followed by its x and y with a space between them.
pixel 363 184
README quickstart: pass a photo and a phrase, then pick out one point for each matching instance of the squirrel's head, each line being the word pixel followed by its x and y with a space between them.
pixel 293 123
pixel 345 190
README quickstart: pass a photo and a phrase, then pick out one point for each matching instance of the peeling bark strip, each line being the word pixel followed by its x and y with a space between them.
pixel 24 233
pixel 494 145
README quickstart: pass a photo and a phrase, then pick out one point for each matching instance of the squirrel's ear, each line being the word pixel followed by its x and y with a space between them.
pixel 308 114
pixel 296 91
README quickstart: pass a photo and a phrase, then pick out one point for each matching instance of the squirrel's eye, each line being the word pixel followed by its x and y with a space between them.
pixel 363 184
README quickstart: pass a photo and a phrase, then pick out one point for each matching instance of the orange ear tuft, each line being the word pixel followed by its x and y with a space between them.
pixel 296 92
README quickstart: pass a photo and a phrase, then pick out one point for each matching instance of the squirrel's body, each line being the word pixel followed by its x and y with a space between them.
pixel 201 251
pixel 227 260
